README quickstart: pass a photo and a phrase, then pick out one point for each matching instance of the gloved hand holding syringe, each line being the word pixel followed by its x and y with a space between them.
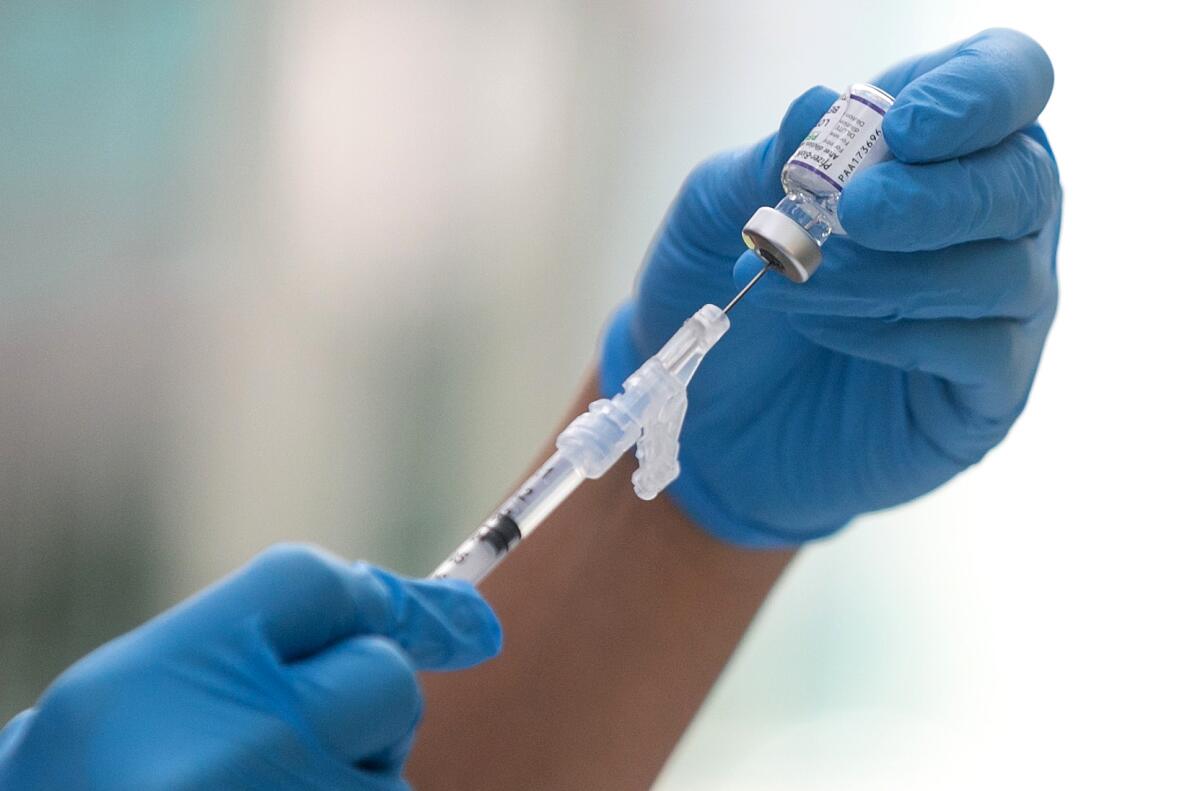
pixel 649 412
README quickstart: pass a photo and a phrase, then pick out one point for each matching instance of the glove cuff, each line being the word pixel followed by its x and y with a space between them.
pixel 619 357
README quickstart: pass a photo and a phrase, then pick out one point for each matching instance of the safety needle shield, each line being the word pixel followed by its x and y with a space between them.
pixel 648 412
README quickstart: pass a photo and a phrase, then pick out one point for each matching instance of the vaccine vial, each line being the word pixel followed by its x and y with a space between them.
pixel 848 138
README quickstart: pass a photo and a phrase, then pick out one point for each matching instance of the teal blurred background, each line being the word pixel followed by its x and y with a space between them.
pixel 271 270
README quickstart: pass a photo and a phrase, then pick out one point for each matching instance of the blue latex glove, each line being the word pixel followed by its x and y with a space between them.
pixel 296 672
pixel 911 351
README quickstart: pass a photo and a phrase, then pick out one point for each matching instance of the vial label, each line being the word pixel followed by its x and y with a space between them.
pixel 848 137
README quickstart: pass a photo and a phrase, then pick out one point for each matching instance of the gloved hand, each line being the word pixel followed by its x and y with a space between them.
pixel 913 348
pixel 295 672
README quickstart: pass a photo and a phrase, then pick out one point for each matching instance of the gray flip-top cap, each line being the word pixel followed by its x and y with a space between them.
pixel 780 242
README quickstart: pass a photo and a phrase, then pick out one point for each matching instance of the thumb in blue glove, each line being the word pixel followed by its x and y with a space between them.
pixel 296 672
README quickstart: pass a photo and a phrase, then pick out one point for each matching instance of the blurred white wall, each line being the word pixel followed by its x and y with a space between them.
pixel 330 271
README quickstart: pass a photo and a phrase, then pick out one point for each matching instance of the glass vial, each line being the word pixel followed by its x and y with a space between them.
pixel 848 138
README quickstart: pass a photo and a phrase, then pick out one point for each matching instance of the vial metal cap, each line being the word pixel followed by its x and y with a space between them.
pixel 782 244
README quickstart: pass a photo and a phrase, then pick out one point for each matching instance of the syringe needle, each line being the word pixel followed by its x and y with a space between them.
pixel 742 293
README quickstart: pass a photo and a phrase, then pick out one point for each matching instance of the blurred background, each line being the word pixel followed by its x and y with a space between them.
pixel 270 270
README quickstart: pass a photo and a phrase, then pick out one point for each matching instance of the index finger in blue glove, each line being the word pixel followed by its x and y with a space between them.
pixel 991 278
pixel 985 362
pixel 307 599
pixel 1003 192
pixel 360 695
pixel 965 97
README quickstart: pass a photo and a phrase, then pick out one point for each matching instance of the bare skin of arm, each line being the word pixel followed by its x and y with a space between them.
pixel 618 616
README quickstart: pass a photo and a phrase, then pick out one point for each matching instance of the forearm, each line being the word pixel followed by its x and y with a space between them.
pixel 619 615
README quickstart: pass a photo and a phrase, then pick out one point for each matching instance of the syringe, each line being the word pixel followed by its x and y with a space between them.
pixel 649 412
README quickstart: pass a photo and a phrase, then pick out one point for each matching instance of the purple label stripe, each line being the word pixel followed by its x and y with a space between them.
pixel 879 110
pixel 811 169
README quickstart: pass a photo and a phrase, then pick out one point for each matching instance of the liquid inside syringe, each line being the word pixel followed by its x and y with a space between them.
pixel 517 518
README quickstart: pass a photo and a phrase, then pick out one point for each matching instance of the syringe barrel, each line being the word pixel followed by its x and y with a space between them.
pixel 536 499
pixel 542 492
pixel 650 406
